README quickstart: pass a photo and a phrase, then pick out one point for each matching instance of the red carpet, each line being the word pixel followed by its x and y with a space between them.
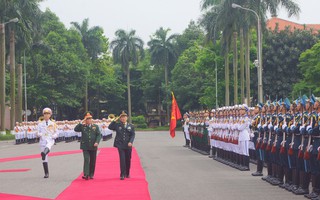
pixel 14 170
pixel 19 197
pixel 107 184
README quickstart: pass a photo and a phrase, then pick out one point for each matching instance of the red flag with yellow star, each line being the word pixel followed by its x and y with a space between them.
pixel 175 115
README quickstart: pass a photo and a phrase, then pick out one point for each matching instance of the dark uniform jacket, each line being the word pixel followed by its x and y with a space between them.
pixel 124 134
pixel 90 135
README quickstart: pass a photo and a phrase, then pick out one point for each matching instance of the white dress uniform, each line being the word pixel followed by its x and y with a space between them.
pixel 186 128
pixel 244 136
pixel 47 131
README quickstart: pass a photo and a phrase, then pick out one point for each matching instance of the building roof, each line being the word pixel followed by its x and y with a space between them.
pixel 282 24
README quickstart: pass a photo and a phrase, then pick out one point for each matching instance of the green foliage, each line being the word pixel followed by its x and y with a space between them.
pixel 139 121
pixel 192 34
pixel 7 136
pixel 310 68
pixel 57 72
pixel 188 82
pixel 280 60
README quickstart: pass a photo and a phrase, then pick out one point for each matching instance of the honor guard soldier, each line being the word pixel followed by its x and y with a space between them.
pixel 315 152
pixel 123 141
pixel 267 140
pixel 186 129
pixel 301 167
pixel 256 127
pixel 244 137
pixel 311 151
pixel 90 138
pixel 284 139
pixel 47 131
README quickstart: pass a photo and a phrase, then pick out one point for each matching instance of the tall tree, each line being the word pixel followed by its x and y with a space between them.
pixel 228 20
pixel 95 44
pixel 163 53
pixel 281 55
pixel 21 36
pixel 127 49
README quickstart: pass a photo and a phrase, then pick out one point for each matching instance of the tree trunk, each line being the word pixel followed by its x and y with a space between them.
pixel 248 67
pixel 86 96
pixel 166 92
pixel 226 74
pixel 235 67
pixel 19 95
pixel 166 83
pixel 242 65
pixel 2 79
pixel 12 81
pixel 129 95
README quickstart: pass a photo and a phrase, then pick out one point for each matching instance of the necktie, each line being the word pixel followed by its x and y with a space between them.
pixel 47 123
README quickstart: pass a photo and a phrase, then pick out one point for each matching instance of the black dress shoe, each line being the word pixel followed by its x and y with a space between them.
pixel 257 174
pixel 127 176
pixel 312 195
pixel 122 178
pixel 85 177
pixel 91 177
pixel 301 191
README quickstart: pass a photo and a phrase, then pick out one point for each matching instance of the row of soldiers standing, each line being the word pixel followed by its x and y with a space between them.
pixel 287 140
pixel 226 131
pixel 285 137
pixel 26 132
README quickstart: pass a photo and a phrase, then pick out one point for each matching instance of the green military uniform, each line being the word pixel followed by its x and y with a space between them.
pixel 90 135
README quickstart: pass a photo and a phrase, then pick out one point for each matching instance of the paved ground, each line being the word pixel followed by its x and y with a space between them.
pixel 173 172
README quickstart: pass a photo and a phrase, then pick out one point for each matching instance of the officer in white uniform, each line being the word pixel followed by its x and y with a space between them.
pixel 186 129
pixel 47 131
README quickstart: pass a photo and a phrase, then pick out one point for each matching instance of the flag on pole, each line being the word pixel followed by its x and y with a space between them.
pixel 175 115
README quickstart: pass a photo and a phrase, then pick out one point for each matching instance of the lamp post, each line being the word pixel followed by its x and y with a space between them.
pixel 2 74
pixel 260 90
pixel 216 72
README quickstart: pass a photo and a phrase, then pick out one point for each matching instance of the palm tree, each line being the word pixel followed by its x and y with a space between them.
pixel 94 43
pixel 92 38
pixel 163 53
pixel 127 49
pixel 27 12
pixel 226 19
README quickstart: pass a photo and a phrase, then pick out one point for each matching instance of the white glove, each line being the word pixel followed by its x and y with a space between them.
pixel 259 125
pixel 284 126
pixel 309 127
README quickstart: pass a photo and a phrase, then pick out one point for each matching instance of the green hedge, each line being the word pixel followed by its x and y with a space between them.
pixel 7 136
pixel 139 121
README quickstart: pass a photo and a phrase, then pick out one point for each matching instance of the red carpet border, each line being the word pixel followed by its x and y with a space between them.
pixel 15 170
pixel 19 197
pixel 39 156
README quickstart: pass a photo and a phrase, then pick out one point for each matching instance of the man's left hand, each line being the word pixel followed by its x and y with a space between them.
pixel 129 144
pixel 95 144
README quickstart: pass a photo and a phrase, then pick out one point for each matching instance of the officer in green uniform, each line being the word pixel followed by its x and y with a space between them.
pixel 90 139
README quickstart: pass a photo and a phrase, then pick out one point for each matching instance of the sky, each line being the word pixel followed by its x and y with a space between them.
pixel 146 16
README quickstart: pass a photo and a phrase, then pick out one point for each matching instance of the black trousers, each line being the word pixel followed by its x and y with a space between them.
pixel 125 161
pixel 89 164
